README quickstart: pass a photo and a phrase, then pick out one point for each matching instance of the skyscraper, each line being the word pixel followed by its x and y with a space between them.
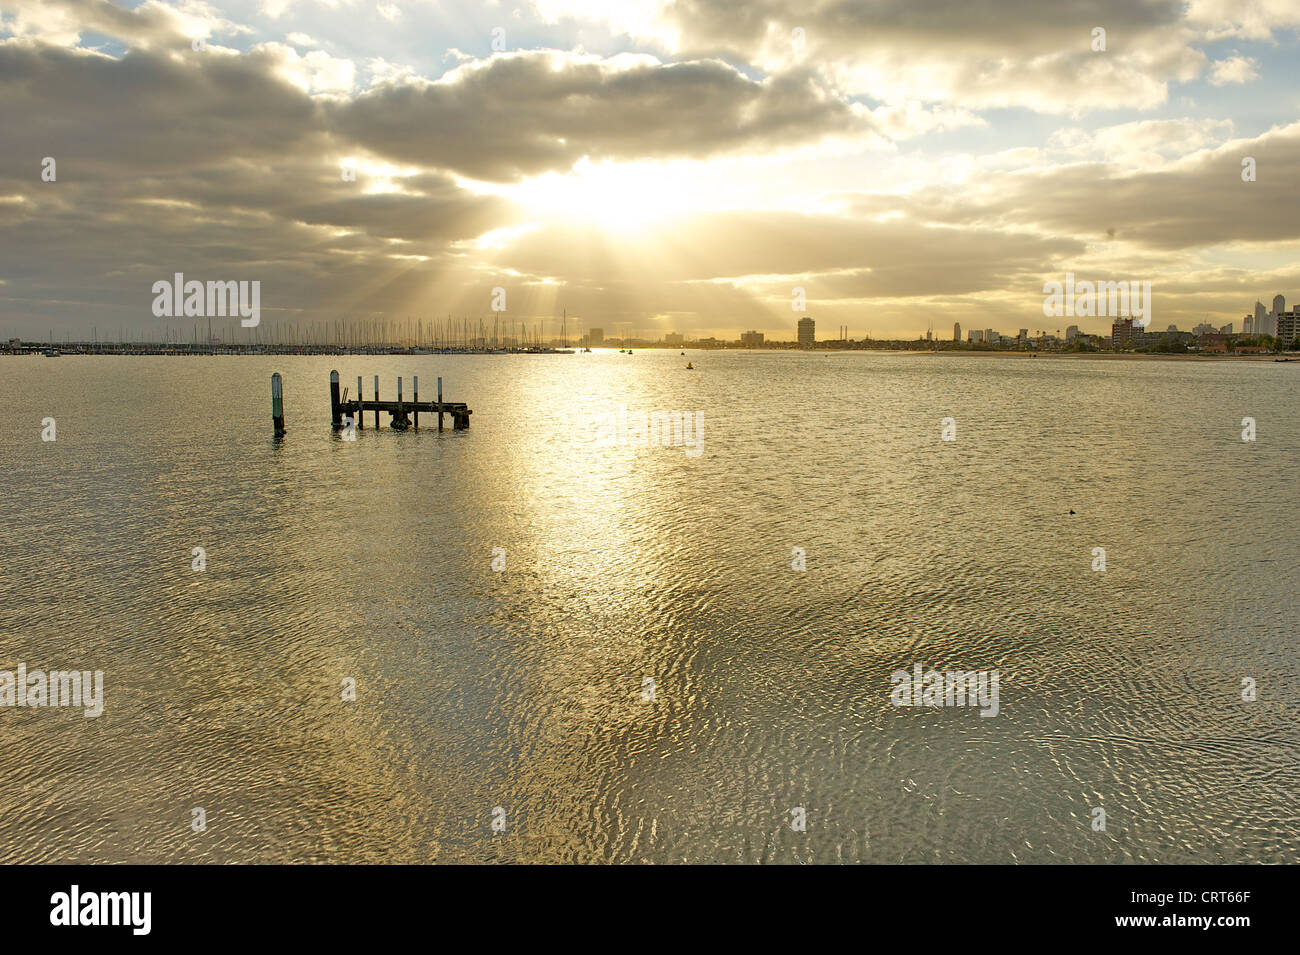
pixel 1270 320
pixel 1288 327
pixel 956 331
pixel 807 332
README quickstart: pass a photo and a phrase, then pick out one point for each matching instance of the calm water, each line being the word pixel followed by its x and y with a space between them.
pixel 372 560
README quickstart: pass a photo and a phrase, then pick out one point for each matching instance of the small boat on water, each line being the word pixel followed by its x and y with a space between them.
pixel 689 366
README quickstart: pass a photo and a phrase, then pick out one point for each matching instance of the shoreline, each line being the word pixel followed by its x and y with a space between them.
pixel 160 351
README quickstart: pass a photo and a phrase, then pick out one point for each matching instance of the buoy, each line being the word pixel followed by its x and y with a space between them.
pixel 689 366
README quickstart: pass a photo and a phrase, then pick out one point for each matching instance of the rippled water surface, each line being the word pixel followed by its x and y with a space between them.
pixel 372 560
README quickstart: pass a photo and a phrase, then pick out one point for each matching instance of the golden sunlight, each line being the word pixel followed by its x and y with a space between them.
pixel 618 197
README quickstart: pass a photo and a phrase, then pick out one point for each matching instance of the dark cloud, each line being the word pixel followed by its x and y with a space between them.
pixel 524 114
pixel 979 53
pixel 1198 202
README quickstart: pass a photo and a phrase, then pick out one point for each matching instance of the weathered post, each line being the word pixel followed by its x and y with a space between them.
pixel 440 404
pixel 360 426
pixel 336 414
pixel 415 396
pixel 376 402
pixel 277 404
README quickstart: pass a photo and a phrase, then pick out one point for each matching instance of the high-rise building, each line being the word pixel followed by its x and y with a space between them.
pixel 1288 327
pixel 975 335
pixel 595 336
pixel 1248 324
pixel 674 338
pixel 990 336
pixel 1269 326
pixel 956 331
pixel 1071 332
pixel 751 339
pixel 1121 332
pixel 807 332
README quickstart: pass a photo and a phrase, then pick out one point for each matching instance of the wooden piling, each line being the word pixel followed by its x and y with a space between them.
pixel 277 404
pixel 440 402
pixel 336 415
pixel 360 425
pixel 415 396
pixel 376 400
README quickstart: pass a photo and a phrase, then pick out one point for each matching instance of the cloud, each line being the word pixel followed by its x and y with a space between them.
pixel 1194 201
pixel 522 114
pixel 1140 144
pixel 150 25
pixel 980 54
pixel 1235 69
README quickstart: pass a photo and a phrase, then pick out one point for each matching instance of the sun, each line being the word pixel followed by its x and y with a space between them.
pixel 617 197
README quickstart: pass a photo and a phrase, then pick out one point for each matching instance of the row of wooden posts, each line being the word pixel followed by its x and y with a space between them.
pixel 402 414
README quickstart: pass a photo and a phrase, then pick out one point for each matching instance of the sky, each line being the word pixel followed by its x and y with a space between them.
pixel 699 166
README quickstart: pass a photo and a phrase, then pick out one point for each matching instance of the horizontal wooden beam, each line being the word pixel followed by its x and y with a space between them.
pixel 371 405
